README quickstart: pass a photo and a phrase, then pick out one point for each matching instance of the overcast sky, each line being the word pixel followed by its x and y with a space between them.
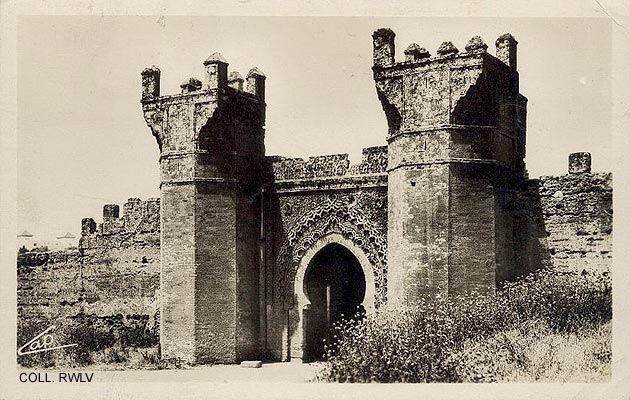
pixel 83 142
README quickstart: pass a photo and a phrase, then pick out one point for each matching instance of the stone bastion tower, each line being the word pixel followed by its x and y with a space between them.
pixel 211 141
pixel 456 145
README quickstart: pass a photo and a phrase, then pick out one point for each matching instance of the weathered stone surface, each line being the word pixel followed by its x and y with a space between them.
pixel 88 226
pixel 251 364
pixel 111 211
pixel 111 280
pixel 455 156
pixel 212 172
pixel 414 52
pixel 256 83
pixel 579 163
pixel 235 80
pixel 476 43
pixel 360 214
pixel 577 211
pixel 190 85
pixel 506 50
pixel 444 208
pixel 384 49
pixel 150 82
pixel 447 48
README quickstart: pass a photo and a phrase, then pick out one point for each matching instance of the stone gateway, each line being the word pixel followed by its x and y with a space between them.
pixel 247 256
pixel 260 255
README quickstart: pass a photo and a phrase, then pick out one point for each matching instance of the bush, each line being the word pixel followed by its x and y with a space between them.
pixel 138 335
pixel 153 360
pixel 117 355
pixel 89 336
pixel 567 301
pixel 402 345
pixel 441 341
pixel 111 339
pixel 537 353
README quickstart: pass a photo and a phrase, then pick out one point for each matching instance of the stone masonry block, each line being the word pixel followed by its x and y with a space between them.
pixel 580 163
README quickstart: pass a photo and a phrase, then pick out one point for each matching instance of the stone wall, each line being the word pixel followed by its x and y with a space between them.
pixel 569 219
pixel 578 217
pixel 313 199
pixel 113 276
pixel 373 161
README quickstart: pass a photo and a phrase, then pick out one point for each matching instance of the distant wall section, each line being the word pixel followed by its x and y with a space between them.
pixel 113 276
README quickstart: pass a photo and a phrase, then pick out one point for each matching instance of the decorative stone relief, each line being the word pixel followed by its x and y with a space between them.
pixel 358 216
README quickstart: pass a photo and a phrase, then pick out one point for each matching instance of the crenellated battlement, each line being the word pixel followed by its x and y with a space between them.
pixel 138 216
pixel 373 161
pixel 183 122
pixel 468 98
pixel 216 78
pixel 385 51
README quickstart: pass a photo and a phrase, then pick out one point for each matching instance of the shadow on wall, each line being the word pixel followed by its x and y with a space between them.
pixel 530 233
pixel 565 221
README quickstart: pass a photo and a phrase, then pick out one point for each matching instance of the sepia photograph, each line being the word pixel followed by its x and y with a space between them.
pixel 315 202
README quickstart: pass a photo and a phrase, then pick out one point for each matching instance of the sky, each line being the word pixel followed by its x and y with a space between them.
pixel 83 142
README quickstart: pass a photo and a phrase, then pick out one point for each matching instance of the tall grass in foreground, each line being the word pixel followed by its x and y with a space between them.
pixel 547 326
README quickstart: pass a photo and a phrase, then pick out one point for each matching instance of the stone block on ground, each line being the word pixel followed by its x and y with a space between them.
pixel 251 364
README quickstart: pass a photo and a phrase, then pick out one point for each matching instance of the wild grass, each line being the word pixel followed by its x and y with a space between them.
pixel 547 326
pixel 100 345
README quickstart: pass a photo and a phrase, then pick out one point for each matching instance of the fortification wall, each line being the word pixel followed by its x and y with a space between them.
pixel 577 211
pixel 373 161
pixel 113 276
pixel 566 220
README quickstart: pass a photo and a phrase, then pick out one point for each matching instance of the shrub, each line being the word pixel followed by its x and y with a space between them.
pixel 89 336
pixel 537 353
pixel 150 358
pixel 116 355
pixel 467 338
pixel 402 345
pixel 138 335
pixel 567 301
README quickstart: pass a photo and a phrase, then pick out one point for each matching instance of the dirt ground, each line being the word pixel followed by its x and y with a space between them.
pixel 269 372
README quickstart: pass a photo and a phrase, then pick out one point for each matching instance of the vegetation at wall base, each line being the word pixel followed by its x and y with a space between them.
pixel 552 326
pixel 102 343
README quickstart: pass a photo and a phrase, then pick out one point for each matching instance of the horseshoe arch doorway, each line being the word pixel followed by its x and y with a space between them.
pixel 335 286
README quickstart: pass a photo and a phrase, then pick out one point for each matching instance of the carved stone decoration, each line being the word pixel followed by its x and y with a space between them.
pixel 358 216
pixel 154 116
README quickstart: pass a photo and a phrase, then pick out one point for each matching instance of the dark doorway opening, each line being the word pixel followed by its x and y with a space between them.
pixel 335 286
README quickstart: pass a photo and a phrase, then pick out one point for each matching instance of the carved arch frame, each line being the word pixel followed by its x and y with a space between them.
pixel 297 338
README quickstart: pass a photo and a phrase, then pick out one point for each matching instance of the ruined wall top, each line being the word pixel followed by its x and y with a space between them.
pixel 373 161
pixel 579 163
pixel 139 222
